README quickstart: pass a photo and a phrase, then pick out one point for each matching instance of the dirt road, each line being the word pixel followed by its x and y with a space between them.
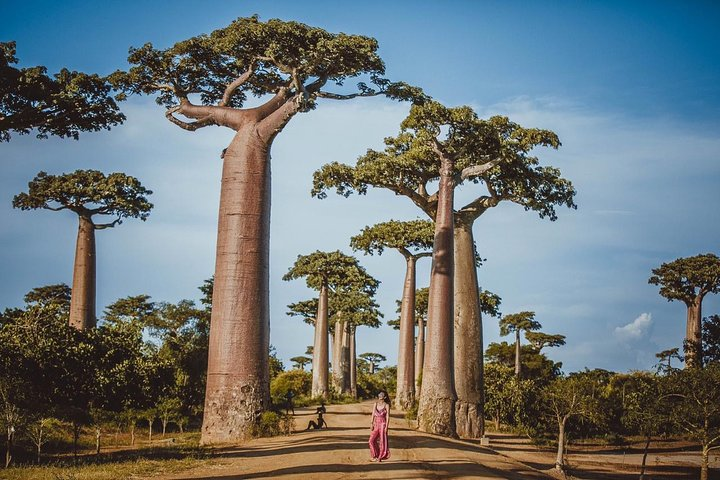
pixel 341 452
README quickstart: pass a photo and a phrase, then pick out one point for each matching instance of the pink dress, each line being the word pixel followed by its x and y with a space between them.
pixel 378 438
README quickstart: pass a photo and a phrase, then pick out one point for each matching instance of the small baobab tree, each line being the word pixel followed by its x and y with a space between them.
pixel 374 359
pixel 328 272
pixel 300 361
pixel 205 81
pixel 414 240
pixel 689 280
pixel 516 323
pixel 87 193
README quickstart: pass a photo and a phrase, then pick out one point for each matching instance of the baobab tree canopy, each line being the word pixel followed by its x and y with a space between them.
pixel 64 104
pixel 407 237
pixel 87 192
pixel 686 278
pixel 334 270
pixel 250 57
pixel 408 164
pixel 517 322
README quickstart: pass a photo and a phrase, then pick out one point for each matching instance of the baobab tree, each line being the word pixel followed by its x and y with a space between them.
pixel 516 323
pixel 421 304
pixel 689 280
pixel 373 359
pixel 299 362
pixel 86 193
pixel 62 105
pixel 203 81
pixel 347 310
pixel 412 239
pixel 667 356
pixel 518 178
pixel 328 272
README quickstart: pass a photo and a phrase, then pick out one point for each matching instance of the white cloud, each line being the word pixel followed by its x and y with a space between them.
pixel 635 329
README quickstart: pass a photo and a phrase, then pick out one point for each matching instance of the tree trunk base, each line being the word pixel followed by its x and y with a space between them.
pixel 404 400
pixel 231 414
pixel 437 415
pixel 469 421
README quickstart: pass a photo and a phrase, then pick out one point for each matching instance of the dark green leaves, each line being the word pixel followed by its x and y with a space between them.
pixel 685 278
pixel 87 192
pixel 63 105
pixel 404 236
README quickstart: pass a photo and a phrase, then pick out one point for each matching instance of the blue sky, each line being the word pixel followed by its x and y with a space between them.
pixel 631 88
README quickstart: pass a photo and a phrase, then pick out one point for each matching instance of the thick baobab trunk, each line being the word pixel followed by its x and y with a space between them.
pixel 406 358
pixel 346 386
pixel 320 348
pixel 693 334
pixel 339 360
pixel 436 411
pixel 238 368
pixel 468 338
pixel 559 461
pixel 419 355
pixel 353 363
pixel 82 302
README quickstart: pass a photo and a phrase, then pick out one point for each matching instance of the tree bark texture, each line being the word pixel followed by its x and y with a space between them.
pixel 320 348
pixel 238 368
pixel 436 411
pixel 406 358
pixel 353 363
pixel 341 358
pixel 419 355
pixel 82 302
pixel 693 334
pixel 704 463
pixel 468 359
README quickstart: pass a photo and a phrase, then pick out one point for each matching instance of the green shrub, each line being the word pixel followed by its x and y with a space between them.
pixel 412 412
pixel 272 424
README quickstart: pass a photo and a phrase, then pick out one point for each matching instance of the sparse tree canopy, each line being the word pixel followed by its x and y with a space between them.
pixel 63 104
pixel 333 269
pixel 409 238
pixel 540 340
pixel 522 321
pixel 87 193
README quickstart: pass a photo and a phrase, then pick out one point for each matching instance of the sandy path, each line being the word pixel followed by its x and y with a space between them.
pixel 341 452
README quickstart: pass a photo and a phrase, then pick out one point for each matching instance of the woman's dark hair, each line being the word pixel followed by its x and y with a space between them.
pixel 387 397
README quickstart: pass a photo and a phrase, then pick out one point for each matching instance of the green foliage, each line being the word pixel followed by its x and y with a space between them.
pixel 276 365
pixel 298 381
pixel 87 193
pixel 407 237
pixel 63 104
pixel 332 269
pixel 686 278
pixel 494 153
pixel 299 362
pixel 535 365
pixel 368 385
pixel 522 321
pixel 509 400
pixel 711 339
pixel 540 340
pixel 272 424
pixel 269 56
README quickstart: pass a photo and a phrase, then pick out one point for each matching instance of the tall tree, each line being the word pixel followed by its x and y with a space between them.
pixel 63 104
pixel 518 178
pixel 299 362
pixel 86 193
pixel 373 359
pixel 689 280
pixel 412 239
pixel 516 323
pixel 207 79
pixel 328 272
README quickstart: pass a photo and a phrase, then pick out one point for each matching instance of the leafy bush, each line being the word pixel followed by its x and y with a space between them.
pixel 272 424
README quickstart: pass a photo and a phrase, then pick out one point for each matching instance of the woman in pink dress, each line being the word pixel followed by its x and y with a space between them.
pixel 379 450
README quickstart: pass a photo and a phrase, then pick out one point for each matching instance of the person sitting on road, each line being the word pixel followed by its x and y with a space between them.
pixel 319 424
